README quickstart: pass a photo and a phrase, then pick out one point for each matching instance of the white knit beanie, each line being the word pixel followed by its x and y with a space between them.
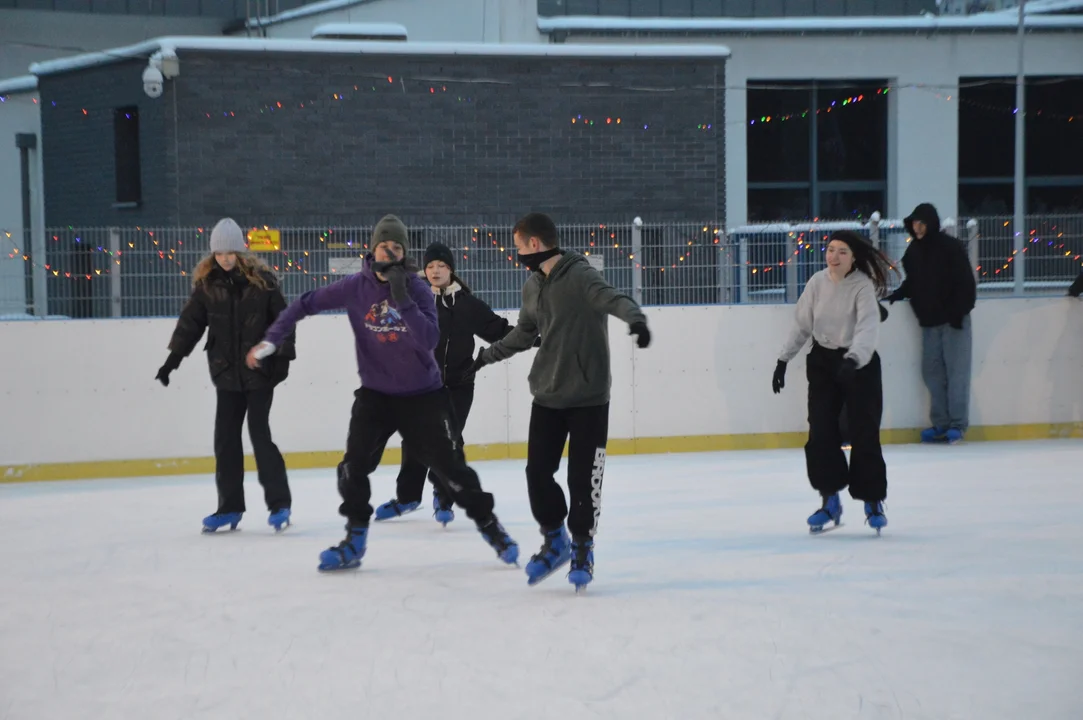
pixel 227 237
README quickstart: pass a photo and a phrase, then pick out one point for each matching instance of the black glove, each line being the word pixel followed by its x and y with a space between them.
pixel 893 298
pixel 643 335
pixel 171 364
pixel 396 278
pixel 479 362
pixel 779 380
pixel 957 324
pixel 847 370
pixel 883 312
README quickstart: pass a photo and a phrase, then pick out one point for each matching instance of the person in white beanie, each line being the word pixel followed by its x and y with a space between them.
pixel 235 297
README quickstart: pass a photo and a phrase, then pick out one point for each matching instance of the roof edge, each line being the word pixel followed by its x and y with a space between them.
pixel 371 47
pixel 925 23
pixel 21 84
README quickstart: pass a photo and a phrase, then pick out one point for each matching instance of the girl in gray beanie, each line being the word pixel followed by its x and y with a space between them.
pixel 235 297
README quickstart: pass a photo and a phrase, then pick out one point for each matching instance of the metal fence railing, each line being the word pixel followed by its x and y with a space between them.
pixel 146 272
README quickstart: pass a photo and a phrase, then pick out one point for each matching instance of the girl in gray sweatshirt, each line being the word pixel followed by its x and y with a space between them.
pixel 839 310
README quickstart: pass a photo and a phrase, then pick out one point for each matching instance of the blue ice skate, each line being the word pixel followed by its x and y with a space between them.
pixel 279 519
pixel 555 551
pixel 348 553
pixel 874 516
pixel 934 435
pixel 830 512
pixel 393 509
pixel 443 515
pixel 495 534
pixel 212 523
pixel 953 436
pixel 582 571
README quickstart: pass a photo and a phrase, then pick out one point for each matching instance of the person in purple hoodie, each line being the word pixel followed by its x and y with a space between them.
pixel 393 316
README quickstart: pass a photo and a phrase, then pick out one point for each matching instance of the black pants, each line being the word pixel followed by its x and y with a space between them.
pixel 864 402
pixel 411 480
pixel 229 451
pixel 586 430
pixel 428 428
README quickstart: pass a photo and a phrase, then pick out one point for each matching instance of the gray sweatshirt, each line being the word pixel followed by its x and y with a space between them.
pixel 837 315
pixel 569 308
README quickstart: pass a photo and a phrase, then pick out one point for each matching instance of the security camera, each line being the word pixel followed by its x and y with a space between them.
pixel 153 82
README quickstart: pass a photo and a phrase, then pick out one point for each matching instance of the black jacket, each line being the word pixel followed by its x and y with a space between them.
pixel 236 315
pixel 939 280
pixel 462 316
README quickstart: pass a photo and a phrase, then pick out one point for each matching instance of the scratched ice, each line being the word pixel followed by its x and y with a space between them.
pixel 710 600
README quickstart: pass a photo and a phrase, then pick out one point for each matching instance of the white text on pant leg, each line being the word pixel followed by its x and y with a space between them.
pixel 596 487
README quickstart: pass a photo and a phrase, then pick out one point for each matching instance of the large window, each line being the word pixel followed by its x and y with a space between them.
pixel 1053 133
pixel 126 158
pixel 816 149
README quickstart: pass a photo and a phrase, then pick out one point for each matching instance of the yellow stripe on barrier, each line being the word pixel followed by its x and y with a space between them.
pixel 41 472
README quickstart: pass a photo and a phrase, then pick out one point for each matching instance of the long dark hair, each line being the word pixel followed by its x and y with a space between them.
pixel 867 259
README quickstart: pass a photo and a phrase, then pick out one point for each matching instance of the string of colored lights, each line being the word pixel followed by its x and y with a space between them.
pixel 805 241
pixel 615 120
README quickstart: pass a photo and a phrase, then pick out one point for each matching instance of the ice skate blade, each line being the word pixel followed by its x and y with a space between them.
pixel 214 531
pixel 532 581
pixel 821 529
pixel 352 565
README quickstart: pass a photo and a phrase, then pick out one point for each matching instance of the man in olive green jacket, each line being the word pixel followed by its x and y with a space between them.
pixel 567 302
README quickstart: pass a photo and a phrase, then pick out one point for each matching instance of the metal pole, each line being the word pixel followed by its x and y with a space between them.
pixel 742 267
pixel 114 273
pixel 25 143
pixel 637 260
pixel 972 245
pixel 1018 271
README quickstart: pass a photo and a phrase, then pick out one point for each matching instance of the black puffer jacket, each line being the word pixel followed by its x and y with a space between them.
pixel 939 280
pixel 236 314
pixel 462 316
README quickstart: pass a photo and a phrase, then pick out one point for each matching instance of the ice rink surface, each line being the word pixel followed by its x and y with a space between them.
pixel 710 600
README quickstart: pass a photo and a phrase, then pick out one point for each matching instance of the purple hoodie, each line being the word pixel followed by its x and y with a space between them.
pixel 395 343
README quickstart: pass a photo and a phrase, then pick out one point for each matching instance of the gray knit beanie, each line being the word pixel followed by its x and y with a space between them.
pixel 390 228
pixel 227 237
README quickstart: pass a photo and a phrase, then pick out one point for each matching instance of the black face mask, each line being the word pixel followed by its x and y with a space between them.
pixel 533 261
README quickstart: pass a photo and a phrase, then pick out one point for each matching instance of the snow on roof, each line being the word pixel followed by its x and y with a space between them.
pixel 25 83
pixel 374 47
pixel 926 23
pixel 365 30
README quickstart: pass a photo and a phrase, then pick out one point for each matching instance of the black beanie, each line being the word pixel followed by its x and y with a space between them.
pixel 439 251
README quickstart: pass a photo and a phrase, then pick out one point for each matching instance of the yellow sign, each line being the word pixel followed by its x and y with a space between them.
pixel 264 240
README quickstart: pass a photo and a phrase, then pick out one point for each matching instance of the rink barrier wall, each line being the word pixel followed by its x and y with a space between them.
pixel 78 398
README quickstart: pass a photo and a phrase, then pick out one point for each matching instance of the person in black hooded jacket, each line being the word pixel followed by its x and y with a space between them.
pixel 942 290
pixel 235 298
pixel 462 315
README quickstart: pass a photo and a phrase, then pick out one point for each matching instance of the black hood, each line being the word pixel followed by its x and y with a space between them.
pixel 927 214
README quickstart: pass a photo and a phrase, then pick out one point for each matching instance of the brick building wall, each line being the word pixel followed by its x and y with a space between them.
pixel 321 139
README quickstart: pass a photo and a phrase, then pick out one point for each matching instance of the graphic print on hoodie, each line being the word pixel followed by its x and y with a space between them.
pixel 385 321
